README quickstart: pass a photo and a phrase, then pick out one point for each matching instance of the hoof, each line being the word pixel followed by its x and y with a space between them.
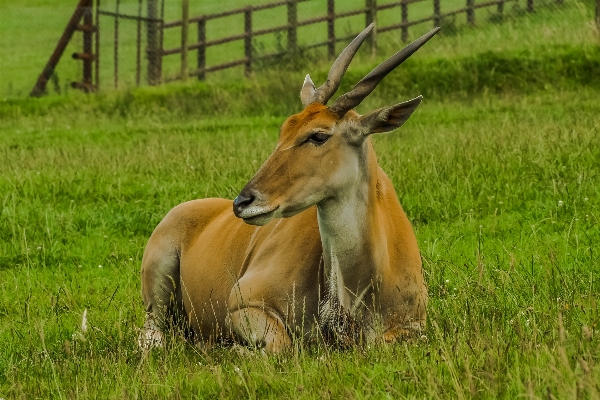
pixel 150 336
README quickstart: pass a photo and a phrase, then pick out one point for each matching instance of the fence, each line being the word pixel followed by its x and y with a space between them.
pixel 90 56
pixel 84 10
pixel 370 11
pixel 153 37
pixel 155 28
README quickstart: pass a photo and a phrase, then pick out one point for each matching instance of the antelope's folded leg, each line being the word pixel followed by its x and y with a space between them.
pixel 261 328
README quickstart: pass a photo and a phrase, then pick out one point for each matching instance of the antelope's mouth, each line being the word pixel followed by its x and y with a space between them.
pixel 258 215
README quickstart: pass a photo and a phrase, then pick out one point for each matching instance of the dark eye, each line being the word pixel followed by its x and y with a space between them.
pixel 318 138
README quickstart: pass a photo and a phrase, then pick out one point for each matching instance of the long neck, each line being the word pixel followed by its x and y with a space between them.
pixel 353 255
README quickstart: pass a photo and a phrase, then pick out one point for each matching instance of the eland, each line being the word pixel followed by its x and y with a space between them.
pixel 315 245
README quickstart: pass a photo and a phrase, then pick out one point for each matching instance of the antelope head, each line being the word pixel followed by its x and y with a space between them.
pixel 321 150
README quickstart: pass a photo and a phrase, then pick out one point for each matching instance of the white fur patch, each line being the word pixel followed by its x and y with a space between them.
pixel 150 335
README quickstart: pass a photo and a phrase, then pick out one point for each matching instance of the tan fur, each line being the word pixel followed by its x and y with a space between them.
pixel 265 284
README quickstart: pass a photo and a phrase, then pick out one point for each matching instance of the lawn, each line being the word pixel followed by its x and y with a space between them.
pixel 503 194
pixel 24 51
pixel 498 170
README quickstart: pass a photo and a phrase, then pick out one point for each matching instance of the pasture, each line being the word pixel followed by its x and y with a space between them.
pixel 24 52
pixel 503 194
pixel 499 171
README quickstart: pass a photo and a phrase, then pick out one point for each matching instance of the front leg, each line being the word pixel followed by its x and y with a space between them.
pixel 260 327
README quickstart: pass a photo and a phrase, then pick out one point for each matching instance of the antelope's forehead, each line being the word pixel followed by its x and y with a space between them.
pixel 314 116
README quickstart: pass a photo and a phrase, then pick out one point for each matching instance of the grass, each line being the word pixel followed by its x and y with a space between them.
pixel 24 51
pixel 457 78
pixel 503 193
pixel 498 171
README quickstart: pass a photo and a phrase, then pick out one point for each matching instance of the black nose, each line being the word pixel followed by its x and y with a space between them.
pixel 243 200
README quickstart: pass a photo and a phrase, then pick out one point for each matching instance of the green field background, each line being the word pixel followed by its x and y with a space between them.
pixel 29 31
pixel 498 170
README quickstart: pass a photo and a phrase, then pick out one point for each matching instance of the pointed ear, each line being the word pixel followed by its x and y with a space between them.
pixel 308 89
pixel 388 118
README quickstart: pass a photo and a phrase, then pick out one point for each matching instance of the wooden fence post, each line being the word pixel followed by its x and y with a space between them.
pixel 153 39
pixel 471 12
pixel 292 11
pixel 248 39
pixel 88 28
pixel 598 14
pixel 331 28
pixel 40 85
pixel 87 56
pixel 138 46
pixel 436 13
pixel 97 46
pixel 370 17
pixel 404 9
pixel 201 49
pixel 185 21
pixel 530 6
pixel 116 46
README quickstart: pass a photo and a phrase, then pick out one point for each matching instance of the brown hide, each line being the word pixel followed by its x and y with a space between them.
pixel 225 264
pixel 316 239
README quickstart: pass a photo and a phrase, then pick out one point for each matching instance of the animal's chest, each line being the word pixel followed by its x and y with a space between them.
pixel 343 327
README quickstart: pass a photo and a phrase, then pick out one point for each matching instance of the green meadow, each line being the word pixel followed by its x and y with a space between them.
pixel 498 170
pixel 30 29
